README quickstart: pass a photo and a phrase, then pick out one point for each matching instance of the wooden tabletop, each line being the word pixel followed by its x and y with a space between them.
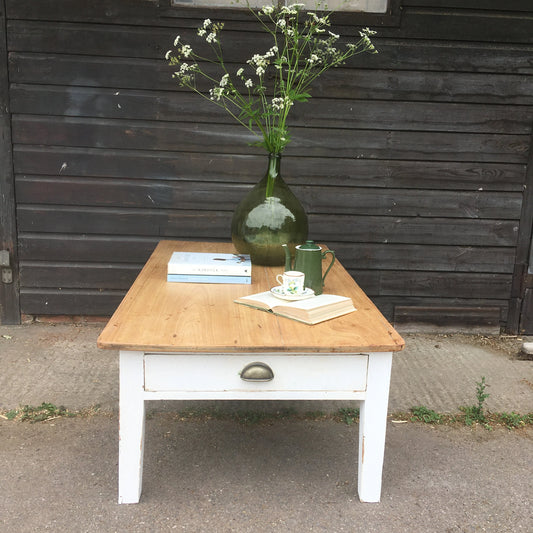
pixel 191 317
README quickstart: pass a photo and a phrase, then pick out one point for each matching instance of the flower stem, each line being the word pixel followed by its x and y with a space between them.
pixel 274 162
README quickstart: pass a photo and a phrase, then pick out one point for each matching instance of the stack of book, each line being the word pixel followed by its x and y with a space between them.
pixel 198 267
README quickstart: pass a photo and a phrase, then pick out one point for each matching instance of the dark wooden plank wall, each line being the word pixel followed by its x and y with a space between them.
pixel 411 163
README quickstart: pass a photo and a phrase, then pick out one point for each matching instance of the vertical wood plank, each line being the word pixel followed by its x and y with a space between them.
pixel 521 299
pixel 9 292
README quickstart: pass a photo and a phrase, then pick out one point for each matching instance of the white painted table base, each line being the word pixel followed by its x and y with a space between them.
pixel 165 376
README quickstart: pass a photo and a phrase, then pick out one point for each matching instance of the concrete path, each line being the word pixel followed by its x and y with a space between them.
pixel 61 364
pixel 285 475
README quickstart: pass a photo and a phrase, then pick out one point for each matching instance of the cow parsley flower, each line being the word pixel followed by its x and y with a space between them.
pixel 262 91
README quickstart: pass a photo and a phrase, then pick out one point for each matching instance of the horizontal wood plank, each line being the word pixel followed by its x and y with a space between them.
pixel 241 168
pixel 132 249
pixel 117 134
pixel 225 196
pixel 458 317
pixel 59 247
pixel 414 257
pixel 216 225
pixel 68 275
pixel 319 112
pixel 69 301
pixel 473 25
pixel 386 83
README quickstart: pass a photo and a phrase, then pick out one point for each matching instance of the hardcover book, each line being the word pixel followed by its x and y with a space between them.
pixel 206 278
pixel 309 311
pixel 199 263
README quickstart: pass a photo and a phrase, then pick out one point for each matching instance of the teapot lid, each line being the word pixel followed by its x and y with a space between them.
pixel 309 245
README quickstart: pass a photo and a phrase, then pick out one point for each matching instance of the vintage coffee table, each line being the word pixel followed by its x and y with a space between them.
pixel 181 341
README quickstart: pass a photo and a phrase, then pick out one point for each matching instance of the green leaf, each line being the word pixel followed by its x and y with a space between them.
pixel 302 97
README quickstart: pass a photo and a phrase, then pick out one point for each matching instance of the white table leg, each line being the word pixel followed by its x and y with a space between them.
pixel 373 425
pixel 131 433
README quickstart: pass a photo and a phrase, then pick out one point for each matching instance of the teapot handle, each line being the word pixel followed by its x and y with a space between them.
pixel 330 265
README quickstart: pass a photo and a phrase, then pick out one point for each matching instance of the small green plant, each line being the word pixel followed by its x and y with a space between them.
pixel 475 413
pixel 348 415
pixel 426 415
pixel 40 413
pixel 481 395
pixel 514 420
pixel 43 412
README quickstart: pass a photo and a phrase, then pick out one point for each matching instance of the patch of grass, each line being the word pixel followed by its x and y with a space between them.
pixel 46 411
pixel 514 420
pixel 40 413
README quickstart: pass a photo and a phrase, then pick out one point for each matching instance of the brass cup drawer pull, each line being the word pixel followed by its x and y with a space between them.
pixel 257 372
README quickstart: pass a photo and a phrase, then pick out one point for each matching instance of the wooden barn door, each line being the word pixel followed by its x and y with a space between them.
pixel 9 293
pixel 520 320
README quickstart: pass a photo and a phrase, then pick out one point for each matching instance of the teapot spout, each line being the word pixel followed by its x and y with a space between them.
pixel 288 265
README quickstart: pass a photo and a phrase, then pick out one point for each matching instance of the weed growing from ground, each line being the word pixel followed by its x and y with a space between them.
pixel 347 415
pixel 475 413
pixel 428 416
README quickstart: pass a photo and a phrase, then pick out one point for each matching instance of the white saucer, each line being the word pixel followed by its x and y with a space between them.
pixel 278 292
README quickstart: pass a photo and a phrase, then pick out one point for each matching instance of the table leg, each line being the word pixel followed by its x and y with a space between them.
pixel 373 425
pixel 131 433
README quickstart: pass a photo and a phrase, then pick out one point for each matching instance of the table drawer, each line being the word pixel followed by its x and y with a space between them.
pixel 291 372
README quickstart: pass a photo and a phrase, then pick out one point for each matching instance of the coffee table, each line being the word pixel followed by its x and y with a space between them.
pixel 190 341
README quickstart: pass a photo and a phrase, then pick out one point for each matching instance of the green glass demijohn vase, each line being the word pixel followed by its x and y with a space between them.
pixel 267 217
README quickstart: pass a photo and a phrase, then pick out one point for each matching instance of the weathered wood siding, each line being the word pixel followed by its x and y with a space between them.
pixel 411 163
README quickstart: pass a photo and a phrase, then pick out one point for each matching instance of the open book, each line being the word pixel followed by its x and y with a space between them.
pixel 310 311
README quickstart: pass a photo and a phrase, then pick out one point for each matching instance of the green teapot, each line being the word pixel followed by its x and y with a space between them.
pixel 308 259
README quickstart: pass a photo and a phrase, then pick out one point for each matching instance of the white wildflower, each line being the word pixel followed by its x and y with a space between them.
pixel 206 23
pixel 167 55
pixel 259 71
pixel 291 10
pixel 201 32
pixel 334 35
pixel 176 40
pixel 282 23
pixel 217 93
pixel 186 50
pixel 280 103
pixel 277 103
pixel 239 72
pixel 249 83
pixel 267 10
pixel 224 80
pixel 212 37
pixel 272 52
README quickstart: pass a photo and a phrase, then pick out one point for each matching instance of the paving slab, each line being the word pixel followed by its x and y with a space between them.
pixel 60 364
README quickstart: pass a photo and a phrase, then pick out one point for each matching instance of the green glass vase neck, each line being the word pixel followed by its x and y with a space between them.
pixel 273 172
